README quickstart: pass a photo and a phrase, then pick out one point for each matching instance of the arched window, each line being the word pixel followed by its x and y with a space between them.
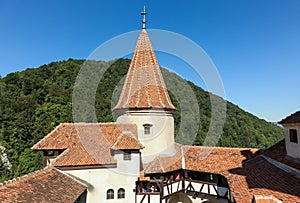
pixel 121 193
pixel 110 194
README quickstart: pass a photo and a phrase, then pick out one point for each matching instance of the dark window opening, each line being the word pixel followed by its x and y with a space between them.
pixel 81 198
pixel 110 194
pixel 293 136
pixel 147 129
pixel 50 153
pixel 127 156
pixel 121 193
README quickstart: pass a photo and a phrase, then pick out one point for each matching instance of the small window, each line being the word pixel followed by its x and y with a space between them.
pixel 50 153
pixel 121 193
pixel 127 156
pixel 293 136
pixel 110 194
pixel 147 129
pixel 77 200
pixel 81 198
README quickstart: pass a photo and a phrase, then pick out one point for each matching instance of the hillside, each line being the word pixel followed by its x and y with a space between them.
pixel 34 101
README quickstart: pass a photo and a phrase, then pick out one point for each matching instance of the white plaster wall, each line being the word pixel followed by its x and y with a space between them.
pixel 161 138
pixel 293 149
pixel 100 180
pixel 128 167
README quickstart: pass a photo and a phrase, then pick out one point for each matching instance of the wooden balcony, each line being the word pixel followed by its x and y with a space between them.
pixel 162 191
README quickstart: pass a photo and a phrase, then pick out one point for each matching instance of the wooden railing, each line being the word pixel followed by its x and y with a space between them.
pixel 193 188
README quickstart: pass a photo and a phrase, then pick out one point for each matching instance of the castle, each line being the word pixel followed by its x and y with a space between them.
pixel 136 159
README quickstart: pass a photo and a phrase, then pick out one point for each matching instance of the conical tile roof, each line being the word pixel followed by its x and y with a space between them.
pixel 144 86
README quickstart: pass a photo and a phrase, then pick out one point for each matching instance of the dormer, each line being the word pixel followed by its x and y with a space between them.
pixel 126 150
pixel 291 126
pixel 50 155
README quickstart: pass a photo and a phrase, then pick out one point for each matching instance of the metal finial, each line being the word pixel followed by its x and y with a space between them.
pixel 144 19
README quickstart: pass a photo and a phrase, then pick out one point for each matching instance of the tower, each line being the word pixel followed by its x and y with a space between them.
pixel 291 126
pixel 145 101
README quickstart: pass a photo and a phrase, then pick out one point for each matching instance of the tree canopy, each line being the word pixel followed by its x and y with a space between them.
pixel 33 102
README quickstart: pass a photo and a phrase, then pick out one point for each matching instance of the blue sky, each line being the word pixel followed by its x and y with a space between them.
pixel 255 44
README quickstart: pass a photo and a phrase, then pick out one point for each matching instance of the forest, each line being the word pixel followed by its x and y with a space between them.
pixel 34 101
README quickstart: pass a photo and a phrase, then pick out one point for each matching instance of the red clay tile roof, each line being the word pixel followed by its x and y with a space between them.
pixel 247 172
pixel 43 186
pixel 144 86
pixel 88 144
pixel 127 142
pixel 213 163
pixel 293 118
pixel 218 160
pixel 266 199
pixel 259 177
pixel 278 153
pixel 163 164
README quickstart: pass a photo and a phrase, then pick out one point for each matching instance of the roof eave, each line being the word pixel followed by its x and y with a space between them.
pixel 172 109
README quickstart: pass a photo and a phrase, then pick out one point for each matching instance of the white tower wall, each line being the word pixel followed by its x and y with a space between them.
pixel 160 141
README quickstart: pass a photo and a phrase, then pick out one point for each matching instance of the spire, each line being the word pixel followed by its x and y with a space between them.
pixel 144 86
pixel 144 13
